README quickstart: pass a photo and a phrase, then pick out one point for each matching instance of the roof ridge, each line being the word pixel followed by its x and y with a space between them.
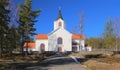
pixel 41 36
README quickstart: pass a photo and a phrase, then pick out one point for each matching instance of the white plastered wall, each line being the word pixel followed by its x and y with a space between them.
pixel 39 42
pixel 66 37
pixel 82 42
pixel 56 24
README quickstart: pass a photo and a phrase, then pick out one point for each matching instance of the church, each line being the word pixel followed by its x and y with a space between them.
pixel 58 40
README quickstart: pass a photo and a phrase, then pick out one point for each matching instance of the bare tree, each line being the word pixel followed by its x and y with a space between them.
pixel 116 30
pixel 81 22
pixel 75 29
pixel 78 28
pixel 81 28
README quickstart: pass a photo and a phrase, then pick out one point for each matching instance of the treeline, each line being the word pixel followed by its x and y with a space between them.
pixel 99 43
pixel 16 25
pixel 109 39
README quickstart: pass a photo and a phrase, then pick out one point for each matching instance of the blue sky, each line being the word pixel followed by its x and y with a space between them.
pixel 96 12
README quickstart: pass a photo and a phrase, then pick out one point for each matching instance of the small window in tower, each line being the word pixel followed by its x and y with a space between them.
pixel 60 24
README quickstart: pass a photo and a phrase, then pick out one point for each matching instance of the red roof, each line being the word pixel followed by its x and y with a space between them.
pixel 42 36
pixel 78 36
pixel 30 45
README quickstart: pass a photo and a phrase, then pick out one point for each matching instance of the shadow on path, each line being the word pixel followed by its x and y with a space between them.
pixel 59 62
pixel 43 65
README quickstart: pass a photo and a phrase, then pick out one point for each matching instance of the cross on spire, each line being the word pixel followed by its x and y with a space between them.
pixel 59 13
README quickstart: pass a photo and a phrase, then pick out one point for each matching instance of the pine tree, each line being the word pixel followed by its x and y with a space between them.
pixel 13 39
pixel 4 19
pixel 27 19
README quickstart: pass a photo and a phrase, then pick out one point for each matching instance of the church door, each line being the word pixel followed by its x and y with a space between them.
pixel 59 49
pixel 59 42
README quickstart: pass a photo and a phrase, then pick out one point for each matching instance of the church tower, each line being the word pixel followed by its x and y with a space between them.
pixel 59 23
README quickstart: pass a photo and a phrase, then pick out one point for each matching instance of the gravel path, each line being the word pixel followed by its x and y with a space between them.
pixel 59 63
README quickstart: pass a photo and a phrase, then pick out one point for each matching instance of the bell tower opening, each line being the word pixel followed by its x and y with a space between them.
pixel 60 24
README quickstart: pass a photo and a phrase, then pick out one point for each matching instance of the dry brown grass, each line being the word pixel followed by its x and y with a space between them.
pixel 99 60
pixel 83 54
pixel 111 59
pixel 96 65
pixel 111 62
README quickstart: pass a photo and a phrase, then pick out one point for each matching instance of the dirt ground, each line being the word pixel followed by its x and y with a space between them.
pixel 92 60
pixel 100 60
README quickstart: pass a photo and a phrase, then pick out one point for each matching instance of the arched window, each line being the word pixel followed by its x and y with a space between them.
pixel 59 40
pixel 60 24
pixel 42 47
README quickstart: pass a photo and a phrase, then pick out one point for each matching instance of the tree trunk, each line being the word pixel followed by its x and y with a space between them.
pixel 27 45
pixel 1 46
pixel 22 43
pixel 27 40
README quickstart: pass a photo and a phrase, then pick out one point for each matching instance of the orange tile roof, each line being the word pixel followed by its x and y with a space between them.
pixel 78 36
pixel 41 36
pixel 30 45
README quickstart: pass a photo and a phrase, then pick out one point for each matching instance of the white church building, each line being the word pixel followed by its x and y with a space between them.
pixel 58 40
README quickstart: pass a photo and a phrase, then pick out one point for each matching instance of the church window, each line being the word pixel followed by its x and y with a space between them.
pixel 59 40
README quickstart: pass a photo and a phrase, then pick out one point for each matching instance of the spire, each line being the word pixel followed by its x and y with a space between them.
pixel 59 13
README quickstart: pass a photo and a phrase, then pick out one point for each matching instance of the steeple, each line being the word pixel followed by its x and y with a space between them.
pixel 59 14
pixel 59 22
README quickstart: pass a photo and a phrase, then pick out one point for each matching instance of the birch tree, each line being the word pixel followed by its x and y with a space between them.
pixel 116 31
